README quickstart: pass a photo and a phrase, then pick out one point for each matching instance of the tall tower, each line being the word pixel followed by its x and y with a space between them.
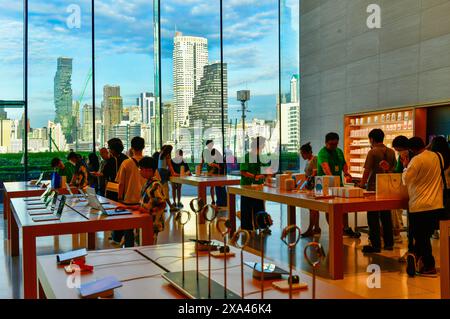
pixel 295 88
pixel 190 55
pixel 63 96
pixel 207 103
pixel 112 107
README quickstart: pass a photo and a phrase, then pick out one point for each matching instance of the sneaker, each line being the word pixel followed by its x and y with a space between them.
pixel 348 231
pixel 398 239
pixel 174 209
pixel 368 249
pixel 411 265
pixel 435 235
pixel 427 272
pixel 180 205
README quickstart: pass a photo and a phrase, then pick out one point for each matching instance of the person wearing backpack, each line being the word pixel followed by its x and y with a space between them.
pixel 380 159
pixel 130 184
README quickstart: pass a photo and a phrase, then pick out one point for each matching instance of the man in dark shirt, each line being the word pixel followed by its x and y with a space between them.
pixel 112 165
pixel 380 159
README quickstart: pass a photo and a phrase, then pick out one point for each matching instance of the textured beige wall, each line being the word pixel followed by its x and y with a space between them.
pixel 347 68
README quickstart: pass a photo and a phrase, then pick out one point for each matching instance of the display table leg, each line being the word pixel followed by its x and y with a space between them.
pixel 29 265
pixel 147 234
pixel 336 246
pixel 444 240
pixel 91 241
pixel 5 205
pixel 14 238
pixel 202 197
pixel 232 212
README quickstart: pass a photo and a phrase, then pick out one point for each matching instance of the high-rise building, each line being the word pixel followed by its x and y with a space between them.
pixel 132 114
pixel 206 108
pixel 290 120
pixel 57 140
pixel 63 95
pixel 190 55
pixel 3 114
pixel 112 108
pixel 5 135
pixel 147 105
pixel 294 96
pixel 87 122
pixel 168 122
pixel 126 131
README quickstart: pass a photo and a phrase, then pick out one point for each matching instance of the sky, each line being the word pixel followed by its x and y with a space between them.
pixel 124 48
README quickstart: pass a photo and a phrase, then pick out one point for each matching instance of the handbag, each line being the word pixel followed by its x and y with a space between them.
pixel 390 186
pixel 446 211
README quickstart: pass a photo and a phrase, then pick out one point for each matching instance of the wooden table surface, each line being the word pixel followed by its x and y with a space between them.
pixel 127 264
pixel 335 208
pixel 79 219
pixel 204 181
pixel 23 189
pixel 444 239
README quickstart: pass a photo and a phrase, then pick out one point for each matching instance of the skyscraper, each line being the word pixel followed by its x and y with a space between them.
pixel 63 96
pixel 147 105
pixel 87 122
pixel 207 103
pixel 168 123
pixel 190 55
pixel 290 119
pixel 112 108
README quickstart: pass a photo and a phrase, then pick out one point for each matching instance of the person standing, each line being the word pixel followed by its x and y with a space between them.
pixel 331 162
pixel 63 169
pixel 422 177
pixel 130 184
pixel 112 165
pixel 310 172
pixel 93 165
pixel 251 173
pixel 80 176
pixel 178 165
pixel 440 145
pixel 152 199
pixel 380 159
pixel 104 155
pixel 165 170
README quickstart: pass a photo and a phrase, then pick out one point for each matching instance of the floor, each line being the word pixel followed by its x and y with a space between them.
pixel 394 282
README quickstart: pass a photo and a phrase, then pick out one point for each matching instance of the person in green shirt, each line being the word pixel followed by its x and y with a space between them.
pixel 331 161
pixel 251 173
pixel 63 169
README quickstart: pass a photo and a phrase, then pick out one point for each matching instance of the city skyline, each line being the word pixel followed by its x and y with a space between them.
pixel 126 58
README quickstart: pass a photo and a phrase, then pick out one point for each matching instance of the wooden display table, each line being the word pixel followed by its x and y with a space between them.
pixel 23 189
pixel 445 258
pixel 141 276
pixel 77 219
pixel 335 208
pixel 204 181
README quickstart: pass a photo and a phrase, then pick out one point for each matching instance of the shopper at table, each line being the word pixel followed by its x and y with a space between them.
pixel 104 155
pixel 165 170
pixel 63 169
pixel 179 165
pixel 401 146
pixel 112 166
pixel 152 199
pixel 80 176
pixel 306 153
pixel 440 145
pixel 93 165
pixel 252 173
pixel 130 184
pixel 380 159
pixel 214 164
pixel 422 177
pixel 331 161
